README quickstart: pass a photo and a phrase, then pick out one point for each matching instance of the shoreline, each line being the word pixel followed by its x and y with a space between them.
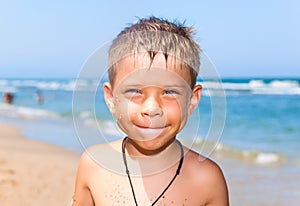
pixel 33 172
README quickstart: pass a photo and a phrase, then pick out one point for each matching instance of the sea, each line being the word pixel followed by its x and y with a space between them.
pixel 251 121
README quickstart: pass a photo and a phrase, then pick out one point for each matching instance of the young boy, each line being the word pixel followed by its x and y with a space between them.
pixel 151 92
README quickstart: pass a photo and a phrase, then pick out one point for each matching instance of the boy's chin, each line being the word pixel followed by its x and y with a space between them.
pixel 151 145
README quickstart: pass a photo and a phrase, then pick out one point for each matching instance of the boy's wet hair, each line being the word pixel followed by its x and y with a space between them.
pixel 153 35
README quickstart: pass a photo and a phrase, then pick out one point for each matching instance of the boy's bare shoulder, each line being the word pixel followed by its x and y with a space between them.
pixel 196 163
pixel 205 177
pixel 104 149
pixel 101 156
pixel 94 173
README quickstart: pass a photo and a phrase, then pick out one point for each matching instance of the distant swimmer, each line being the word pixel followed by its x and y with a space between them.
pixel 8 98
pixel 39 97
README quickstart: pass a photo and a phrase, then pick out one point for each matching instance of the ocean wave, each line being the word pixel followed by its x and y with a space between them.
pixel 65 85
pixel 25 112
pixel 265 158
pixel 231 86
pixel 106 127
pixel 10 89
pixel 222 151
pixel 271 87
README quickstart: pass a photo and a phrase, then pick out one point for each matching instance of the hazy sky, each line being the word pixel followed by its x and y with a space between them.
pixel 243 38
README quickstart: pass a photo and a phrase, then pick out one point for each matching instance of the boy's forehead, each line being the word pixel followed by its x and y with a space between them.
pixel 159 68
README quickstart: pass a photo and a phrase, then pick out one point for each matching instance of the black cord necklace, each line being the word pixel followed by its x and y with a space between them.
pixel 170 183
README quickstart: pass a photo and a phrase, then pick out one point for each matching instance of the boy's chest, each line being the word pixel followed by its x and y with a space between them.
pixel 115 189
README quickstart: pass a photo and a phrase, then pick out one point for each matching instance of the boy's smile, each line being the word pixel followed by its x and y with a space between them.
pixel 151 105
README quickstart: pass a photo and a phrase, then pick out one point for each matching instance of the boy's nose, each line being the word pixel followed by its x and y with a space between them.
pixel 151 107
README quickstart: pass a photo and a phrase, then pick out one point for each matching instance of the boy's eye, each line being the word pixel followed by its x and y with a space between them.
pixel 170 92
pixel 133 91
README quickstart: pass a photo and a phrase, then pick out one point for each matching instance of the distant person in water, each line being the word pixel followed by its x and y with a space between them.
pixel 8 98
pixel 39 97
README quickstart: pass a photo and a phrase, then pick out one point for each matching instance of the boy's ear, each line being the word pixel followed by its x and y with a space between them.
pixel 195 98
pixel 109 97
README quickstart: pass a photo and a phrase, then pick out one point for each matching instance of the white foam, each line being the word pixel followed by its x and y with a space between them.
pixel 266 158
pixel 275 87
pixel 67 85
pixel 3 82
pixel 90 122
pixel 256 84
pixel 86 114
pixel 284 84
pixel 25 112
pixel 10 89
pixel 219 147
pixel 110 128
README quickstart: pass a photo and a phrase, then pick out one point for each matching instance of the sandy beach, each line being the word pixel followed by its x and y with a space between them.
pixel 34 173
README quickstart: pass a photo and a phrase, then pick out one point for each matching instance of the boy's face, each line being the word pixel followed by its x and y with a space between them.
pixel 151 105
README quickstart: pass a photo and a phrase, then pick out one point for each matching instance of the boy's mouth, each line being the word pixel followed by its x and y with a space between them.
pixel 150 130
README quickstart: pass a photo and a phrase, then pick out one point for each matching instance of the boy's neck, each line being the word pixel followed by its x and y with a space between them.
pixel 134 150
pixel 147 164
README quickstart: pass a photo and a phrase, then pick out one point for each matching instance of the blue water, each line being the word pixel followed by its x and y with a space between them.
pixel 262 115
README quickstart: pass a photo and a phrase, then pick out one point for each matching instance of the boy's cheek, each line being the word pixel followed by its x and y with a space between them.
pixel 126 108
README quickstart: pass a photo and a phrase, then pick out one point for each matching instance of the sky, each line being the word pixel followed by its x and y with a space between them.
pixel 53 39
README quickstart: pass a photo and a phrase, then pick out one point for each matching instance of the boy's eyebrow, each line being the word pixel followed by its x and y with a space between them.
pixel 166 85
pixel 174 85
